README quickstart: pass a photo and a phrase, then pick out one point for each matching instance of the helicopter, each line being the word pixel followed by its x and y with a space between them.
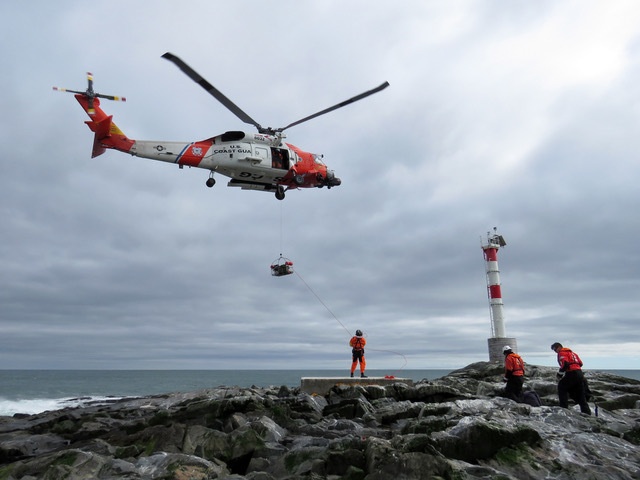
pixel 253 161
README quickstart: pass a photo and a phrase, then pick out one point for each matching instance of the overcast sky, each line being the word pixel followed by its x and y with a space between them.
pixel 518 115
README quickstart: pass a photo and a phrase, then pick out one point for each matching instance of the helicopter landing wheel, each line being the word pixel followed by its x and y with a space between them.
pixel 280 192
pixel 211 182
pixel 298 179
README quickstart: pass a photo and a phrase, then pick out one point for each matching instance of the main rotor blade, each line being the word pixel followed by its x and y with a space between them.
pixel 339 105
pixel 196 77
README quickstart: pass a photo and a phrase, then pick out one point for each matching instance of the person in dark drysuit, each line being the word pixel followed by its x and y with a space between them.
pixel 571 379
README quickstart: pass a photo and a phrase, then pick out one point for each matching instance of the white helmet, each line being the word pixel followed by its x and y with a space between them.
pixel 506 349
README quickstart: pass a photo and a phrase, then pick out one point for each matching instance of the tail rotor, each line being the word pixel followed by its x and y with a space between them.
pixel 90 94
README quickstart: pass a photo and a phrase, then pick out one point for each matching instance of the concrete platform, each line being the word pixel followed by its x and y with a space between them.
pixel 322 385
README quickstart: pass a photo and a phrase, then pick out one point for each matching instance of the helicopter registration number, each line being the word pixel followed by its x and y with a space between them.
pixel 257 177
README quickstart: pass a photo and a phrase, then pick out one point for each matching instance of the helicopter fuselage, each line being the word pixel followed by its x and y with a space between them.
pixel 251 160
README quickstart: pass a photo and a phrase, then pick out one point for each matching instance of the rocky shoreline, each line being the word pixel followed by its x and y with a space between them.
pixel 456 427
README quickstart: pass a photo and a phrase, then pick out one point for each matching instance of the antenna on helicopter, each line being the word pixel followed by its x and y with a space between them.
pixel 90 94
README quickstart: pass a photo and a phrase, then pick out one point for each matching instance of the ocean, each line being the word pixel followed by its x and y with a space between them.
pixel 36 391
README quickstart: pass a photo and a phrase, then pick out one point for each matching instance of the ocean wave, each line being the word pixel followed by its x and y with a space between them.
pixel 32 406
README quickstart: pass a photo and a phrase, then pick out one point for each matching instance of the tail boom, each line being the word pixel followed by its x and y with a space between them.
pixel 107 133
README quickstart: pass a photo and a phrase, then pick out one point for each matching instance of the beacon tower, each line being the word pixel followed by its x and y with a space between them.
pixel 498 334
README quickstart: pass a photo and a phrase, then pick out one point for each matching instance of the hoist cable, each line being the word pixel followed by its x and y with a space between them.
pixel 345 328
pixel 281 229
pixel 323 304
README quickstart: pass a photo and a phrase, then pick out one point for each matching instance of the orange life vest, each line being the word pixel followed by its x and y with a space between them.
pixel 514 365
pixel 357 343
pixel 568 360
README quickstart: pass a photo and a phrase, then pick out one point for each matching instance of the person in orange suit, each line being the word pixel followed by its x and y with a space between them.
pixel 357 344
pixel 513 374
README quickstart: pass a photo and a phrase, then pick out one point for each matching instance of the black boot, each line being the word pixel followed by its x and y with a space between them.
pixel 352 374
pixel 362 375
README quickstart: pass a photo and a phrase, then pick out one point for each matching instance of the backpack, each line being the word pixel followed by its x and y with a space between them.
pixel 530 397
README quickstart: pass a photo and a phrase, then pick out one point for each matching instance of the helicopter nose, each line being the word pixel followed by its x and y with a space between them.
pixel 332 180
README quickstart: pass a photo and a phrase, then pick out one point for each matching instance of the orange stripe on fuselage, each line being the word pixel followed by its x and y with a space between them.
pixel 194 153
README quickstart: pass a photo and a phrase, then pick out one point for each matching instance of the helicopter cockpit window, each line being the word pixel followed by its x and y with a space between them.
pixel 318 159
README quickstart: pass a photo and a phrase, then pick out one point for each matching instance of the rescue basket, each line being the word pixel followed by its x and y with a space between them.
pixel 282 266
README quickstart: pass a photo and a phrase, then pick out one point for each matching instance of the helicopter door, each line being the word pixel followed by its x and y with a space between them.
pixel 261 154
pixel 280 158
